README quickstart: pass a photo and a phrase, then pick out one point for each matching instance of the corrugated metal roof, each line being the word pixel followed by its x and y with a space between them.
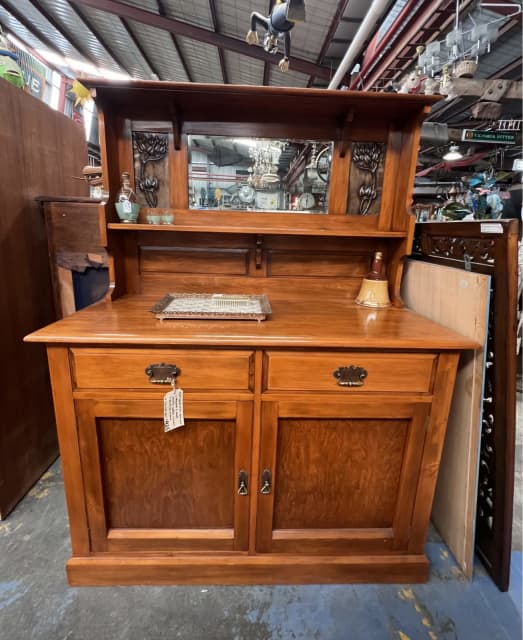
pixel 289 79
pixel 160 50
pixel 308 37
pixel 147 51
pixel 505 51
pixel 148 5
pixel 19 31
pixel 234 16
pixel 201 59
pixel 63 13
pixel 196 12
pixel 32 15
pixel 242 69
pixel 119 42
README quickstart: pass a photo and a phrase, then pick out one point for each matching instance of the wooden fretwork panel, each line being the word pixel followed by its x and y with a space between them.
pixel 343 482
pixel 174 491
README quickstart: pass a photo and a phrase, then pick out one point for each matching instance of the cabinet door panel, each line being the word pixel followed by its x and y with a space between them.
pixel 176 480
pixel 341 484
pixel 337 473
pixel 151 490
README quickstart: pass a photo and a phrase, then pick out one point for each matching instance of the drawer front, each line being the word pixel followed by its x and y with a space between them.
pixel 400 372
pixel 199 369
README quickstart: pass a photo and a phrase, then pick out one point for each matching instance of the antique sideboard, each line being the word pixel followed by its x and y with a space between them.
pixel 312 439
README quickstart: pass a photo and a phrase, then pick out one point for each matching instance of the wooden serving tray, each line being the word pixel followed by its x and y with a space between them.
pixel 212 306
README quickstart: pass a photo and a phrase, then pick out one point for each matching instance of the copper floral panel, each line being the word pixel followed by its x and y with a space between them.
pixel 151 168
pixel 366 178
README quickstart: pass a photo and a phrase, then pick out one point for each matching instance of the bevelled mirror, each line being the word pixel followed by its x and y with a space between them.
pixel 259 174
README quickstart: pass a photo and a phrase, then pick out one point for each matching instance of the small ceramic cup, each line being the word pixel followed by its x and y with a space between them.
pixel 167 218
pixel 153 218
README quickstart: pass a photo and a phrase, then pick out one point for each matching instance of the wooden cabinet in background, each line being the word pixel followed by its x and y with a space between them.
pixel 312 439
pixel 41 151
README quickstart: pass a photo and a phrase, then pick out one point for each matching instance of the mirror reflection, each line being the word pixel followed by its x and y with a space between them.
pixel 259 174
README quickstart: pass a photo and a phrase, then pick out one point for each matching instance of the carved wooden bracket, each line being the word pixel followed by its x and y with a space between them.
pixel 177 127
pixel 344 133
pixel 258 253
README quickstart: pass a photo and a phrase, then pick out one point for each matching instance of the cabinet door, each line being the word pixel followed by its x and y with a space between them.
pixel 338 477
pixel 176 491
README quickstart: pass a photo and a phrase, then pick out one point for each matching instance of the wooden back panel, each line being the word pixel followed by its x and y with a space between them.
pixel 159 263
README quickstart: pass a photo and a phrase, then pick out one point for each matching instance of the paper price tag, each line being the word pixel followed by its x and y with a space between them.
pixel 491 227
pixel 127 206
pixel 173 410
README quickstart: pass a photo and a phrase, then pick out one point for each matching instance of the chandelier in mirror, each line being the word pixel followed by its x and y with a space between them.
pixel 259 174
pixel 265 155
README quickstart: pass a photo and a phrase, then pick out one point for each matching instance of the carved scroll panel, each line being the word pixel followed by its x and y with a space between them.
pixel 366 178
pixel 151 168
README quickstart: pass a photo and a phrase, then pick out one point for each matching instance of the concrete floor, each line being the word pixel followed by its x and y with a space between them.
pixel 37 604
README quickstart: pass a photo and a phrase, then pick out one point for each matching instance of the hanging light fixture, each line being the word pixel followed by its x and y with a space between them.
pixel 453 153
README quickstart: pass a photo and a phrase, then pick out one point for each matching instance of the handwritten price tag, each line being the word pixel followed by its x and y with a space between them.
pixel 173 410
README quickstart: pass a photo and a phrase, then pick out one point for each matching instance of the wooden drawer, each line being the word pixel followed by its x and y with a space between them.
pixel 199 369
pixel 294 371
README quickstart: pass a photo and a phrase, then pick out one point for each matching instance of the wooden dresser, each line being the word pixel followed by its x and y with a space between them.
pixel 280 474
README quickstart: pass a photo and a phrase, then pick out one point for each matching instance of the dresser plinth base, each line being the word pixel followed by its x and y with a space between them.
pixel 235 570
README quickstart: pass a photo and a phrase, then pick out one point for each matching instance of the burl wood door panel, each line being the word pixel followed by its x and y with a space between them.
pixel 345 483
pixel 177 491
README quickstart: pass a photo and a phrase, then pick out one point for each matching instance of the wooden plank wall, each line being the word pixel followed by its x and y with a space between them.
pixel 459 300
pixel 41 151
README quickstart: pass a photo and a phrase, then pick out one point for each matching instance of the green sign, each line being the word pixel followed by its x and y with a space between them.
pixel 492 137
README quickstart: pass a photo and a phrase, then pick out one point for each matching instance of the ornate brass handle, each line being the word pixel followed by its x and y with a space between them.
pixel 266 482
pixel 162 373
pixel 350 376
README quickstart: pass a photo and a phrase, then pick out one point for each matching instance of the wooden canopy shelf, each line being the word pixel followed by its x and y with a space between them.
pixel 214 103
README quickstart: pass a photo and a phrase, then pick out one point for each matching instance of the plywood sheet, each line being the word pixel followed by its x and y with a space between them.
pixel 458 300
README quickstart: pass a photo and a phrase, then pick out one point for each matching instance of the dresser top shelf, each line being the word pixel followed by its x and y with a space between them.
pixel 228 103
pixel 271 226
pixel 302 322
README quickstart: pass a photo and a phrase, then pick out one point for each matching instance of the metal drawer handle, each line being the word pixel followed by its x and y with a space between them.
pixel 350 376
pixel 162 373
pixel 243 489
pixel 266 482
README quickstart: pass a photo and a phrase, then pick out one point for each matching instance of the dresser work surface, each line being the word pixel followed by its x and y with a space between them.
pixel 309 321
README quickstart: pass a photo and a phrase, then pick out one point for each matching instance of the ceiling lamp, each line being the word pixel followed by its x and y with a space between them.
pixel 453 153
pixel 459 51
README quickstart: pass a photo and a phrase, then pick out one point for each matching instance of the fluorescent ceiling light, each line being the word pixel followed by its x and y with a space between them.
pixel 17 42
pixel 453 153
pixel 83 67
pixel 51 57
pixel 251 142
pixel 113 75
